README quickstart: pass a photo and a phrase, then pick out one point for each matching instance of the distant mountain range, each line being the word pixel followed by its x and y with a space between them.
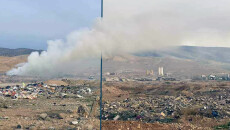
pixel 16 52
pixel 183 62
pixel 217 54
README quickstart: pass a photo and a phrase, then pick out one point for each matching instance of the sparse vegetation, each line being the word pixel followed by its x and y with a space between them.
pixel 222 127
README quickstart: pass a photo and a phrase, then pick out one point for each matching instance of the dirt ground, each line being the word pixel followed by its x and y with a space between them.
pixel 128 125
pixel 62 112
pixel 117 92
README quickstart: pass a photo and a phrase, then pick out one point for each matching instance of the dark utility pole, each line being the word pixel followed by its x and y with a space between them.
pixel 101 76
pixel 102 8
pixel 101 95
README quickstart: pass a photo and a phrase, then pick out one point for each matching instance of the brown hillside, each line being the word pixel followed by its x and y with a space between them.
pixel 7 63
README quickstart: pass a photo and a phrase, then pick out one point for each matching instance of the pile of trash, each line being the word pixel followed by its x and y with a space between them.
pixel 29 91
pixel 85 91
pixel 33 90
pixel 21 92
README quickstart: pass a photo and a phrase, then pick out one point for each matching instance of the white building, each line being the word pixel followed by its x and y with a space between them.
pixel 161 71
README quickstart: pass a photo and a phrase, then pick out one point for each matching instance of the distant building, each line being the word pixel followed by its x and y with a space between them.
pixel 91 77
pixel 161 71
pixel 204 77
pixel 219 76
pixel 212 77
pixel 107 79
pixel 169 79
pixel 149 72
pixel 222 76
pixel 110 73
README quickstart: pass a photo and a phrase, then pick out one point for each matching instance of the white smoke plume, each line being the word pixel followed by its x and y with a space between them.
pixel 131 26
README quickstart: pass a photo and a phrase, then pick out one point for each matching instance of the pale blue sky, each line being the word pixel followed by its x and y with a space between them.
pixel 30 23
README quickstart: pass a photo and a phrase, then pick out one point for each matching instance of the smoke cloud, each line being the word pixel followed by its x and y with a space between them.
pixel 131 26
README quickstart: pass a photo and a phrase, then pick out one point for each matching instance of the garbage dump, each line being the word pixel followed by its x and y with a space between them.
pixel 32 90
pixel 46 105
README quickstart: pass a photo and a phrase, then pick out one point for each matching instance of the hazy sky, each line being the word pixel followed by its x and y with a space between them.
pixel 128 26
pixel 30 23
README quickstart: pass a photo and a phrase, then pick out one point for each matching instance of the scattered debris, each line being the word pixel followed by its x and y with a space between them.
pixel 43 116
pixel 116 117
pixel 74 122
